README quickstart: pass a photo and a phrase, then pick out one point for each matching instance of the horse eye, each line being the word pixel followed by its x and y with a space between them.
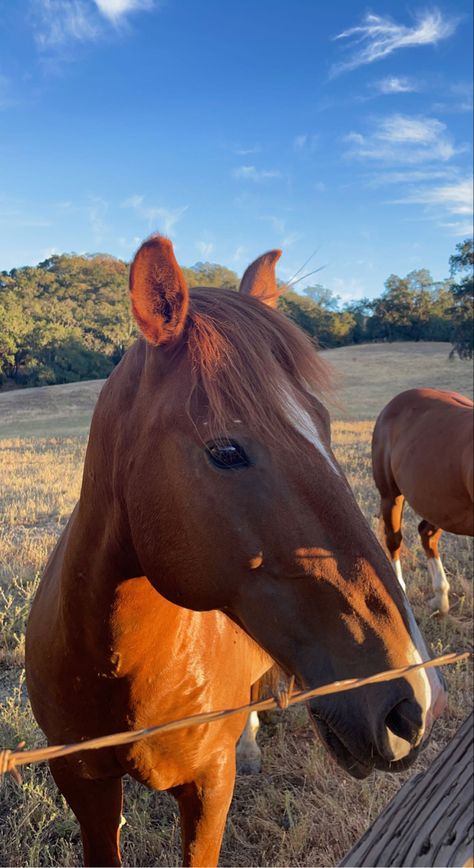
pixel 227 455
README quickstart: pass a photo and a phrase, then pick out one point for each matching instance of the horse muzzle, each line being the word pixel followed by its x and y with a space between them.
pixel 390 743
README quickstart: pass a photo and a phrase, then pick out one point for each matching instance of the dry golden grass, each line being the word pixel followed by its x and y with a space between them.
pixel 301 810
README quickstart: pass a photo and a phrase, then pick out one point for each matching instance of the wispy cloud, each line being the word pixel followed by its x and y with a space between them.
pixel 157 217
pixel 277 223
pixel 455 198
pixel 305 142
pixel 97 210
pixel 286 237
pixel 251 173
pixel 17 220
pixel 6 99
pixel 459 228
pixel 460 99
pixel 348 289
pixel 404 129
pixel 410 176
pixel 394 84
pixel 205 248
pixel 443 202
pixel 19 214
pixel 58 23
pixel 402 139
pixel 115 10
pixel 378 37
pixel 245 151
pixel 239 253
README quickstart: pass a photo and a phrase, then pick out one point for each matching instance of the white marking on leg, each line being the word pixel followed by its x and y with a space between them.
pixel 248 751
pixel 398 572
pixel 302 421
pixel 440 584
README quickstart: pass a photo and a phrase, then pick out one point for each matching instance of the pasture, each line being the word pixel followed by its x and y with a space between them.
pixel 301 810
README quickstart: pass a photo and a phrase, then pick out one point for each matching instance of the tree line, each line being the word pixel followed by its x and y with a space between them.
pixel 69 318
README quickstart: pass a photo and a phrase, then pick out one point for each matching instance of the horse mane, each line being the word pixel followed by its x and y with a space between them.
pixel 245 357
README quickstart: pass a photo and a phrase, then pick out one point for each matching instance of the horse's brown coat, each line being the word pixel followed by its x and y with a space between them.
pixel 422 451
pixel 125 629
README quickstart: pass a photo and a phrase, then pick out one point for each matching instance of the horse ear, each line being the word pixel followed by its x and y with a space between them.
pixel 259 279
pixel 158 290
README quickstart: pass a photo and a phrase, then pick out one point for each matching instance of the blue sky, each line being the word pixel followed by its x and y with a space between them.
pixel 236 127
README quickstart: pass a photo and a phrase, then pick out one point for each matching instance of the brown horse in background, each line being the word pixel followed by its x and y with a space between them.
pixel 215 533
pixel 422 451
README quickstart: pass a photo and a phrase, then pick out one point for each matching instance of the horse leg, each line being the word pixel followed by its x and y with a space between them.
pixel 273 683
pixel 392 514
pixel 430 535
pixel 248 754
pixel 97 805
pixel 203 806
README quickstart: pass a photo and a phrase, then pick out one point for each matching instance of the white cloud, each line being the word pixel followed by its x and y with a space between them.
pixel 278 224
pixel 393 84
pixel 116 9
pixel 289 239
pixel 97 210
pixel 348 289
pixel 402 129
pixel 157 217
pixel 205 248
pixel 61 21
pixel 459 99
pixel 458 229
pixel 243 151
pixel 400 139
pixel 445 201
pixel 456 198
pixel 409 176
pixel 17 220
pixel 305 142
pixel 378 37
pixel 251 173
pixel 239 252
pixel 299 142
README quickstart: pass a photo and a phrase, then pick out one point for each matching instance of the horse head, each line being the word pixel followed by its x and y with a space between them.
pixel 219 453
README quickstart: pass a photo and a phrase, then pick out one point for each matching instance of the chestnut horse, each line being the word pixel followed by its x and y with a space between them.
pixel 215 533
pixel 422 451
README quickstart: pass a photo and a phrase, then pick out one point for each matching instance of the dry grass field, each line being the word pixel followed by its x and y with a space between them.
pixel 301 810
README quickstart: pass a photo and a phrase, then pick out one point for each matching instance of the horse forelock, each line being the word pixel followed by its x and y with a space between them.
pixel 245 359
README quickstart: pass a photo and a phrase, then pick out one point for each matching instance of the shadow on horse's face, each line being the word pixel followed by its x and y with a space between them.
pixel 236 502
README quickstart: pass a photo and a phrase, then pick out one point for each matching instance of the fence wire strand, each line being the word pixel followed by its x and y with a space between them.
pixel 11 760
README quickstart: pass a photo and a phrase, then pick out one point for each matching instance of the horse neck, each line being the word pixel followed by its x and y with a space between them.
pixel 96 553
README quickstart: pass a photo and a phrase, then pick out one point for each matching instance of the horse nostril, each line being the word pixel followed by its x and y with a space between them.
pixel 406 721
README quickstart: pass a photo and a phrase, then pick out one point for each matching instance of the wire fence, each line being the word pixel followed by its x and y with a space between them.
pixel 11 760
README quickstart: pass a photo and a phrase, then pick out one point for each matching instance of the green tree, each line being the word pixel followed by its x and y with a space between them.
pixel 462 267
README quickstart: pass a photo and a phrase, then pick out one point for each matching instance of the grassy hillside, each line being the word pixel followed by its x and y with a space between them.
pixel 301 810
pixel 371 374
pixel 367 377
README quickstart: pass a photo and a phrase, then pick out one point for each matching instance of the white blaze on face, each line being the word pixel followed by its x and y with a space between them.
pixel 302 421
pixel 432 687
